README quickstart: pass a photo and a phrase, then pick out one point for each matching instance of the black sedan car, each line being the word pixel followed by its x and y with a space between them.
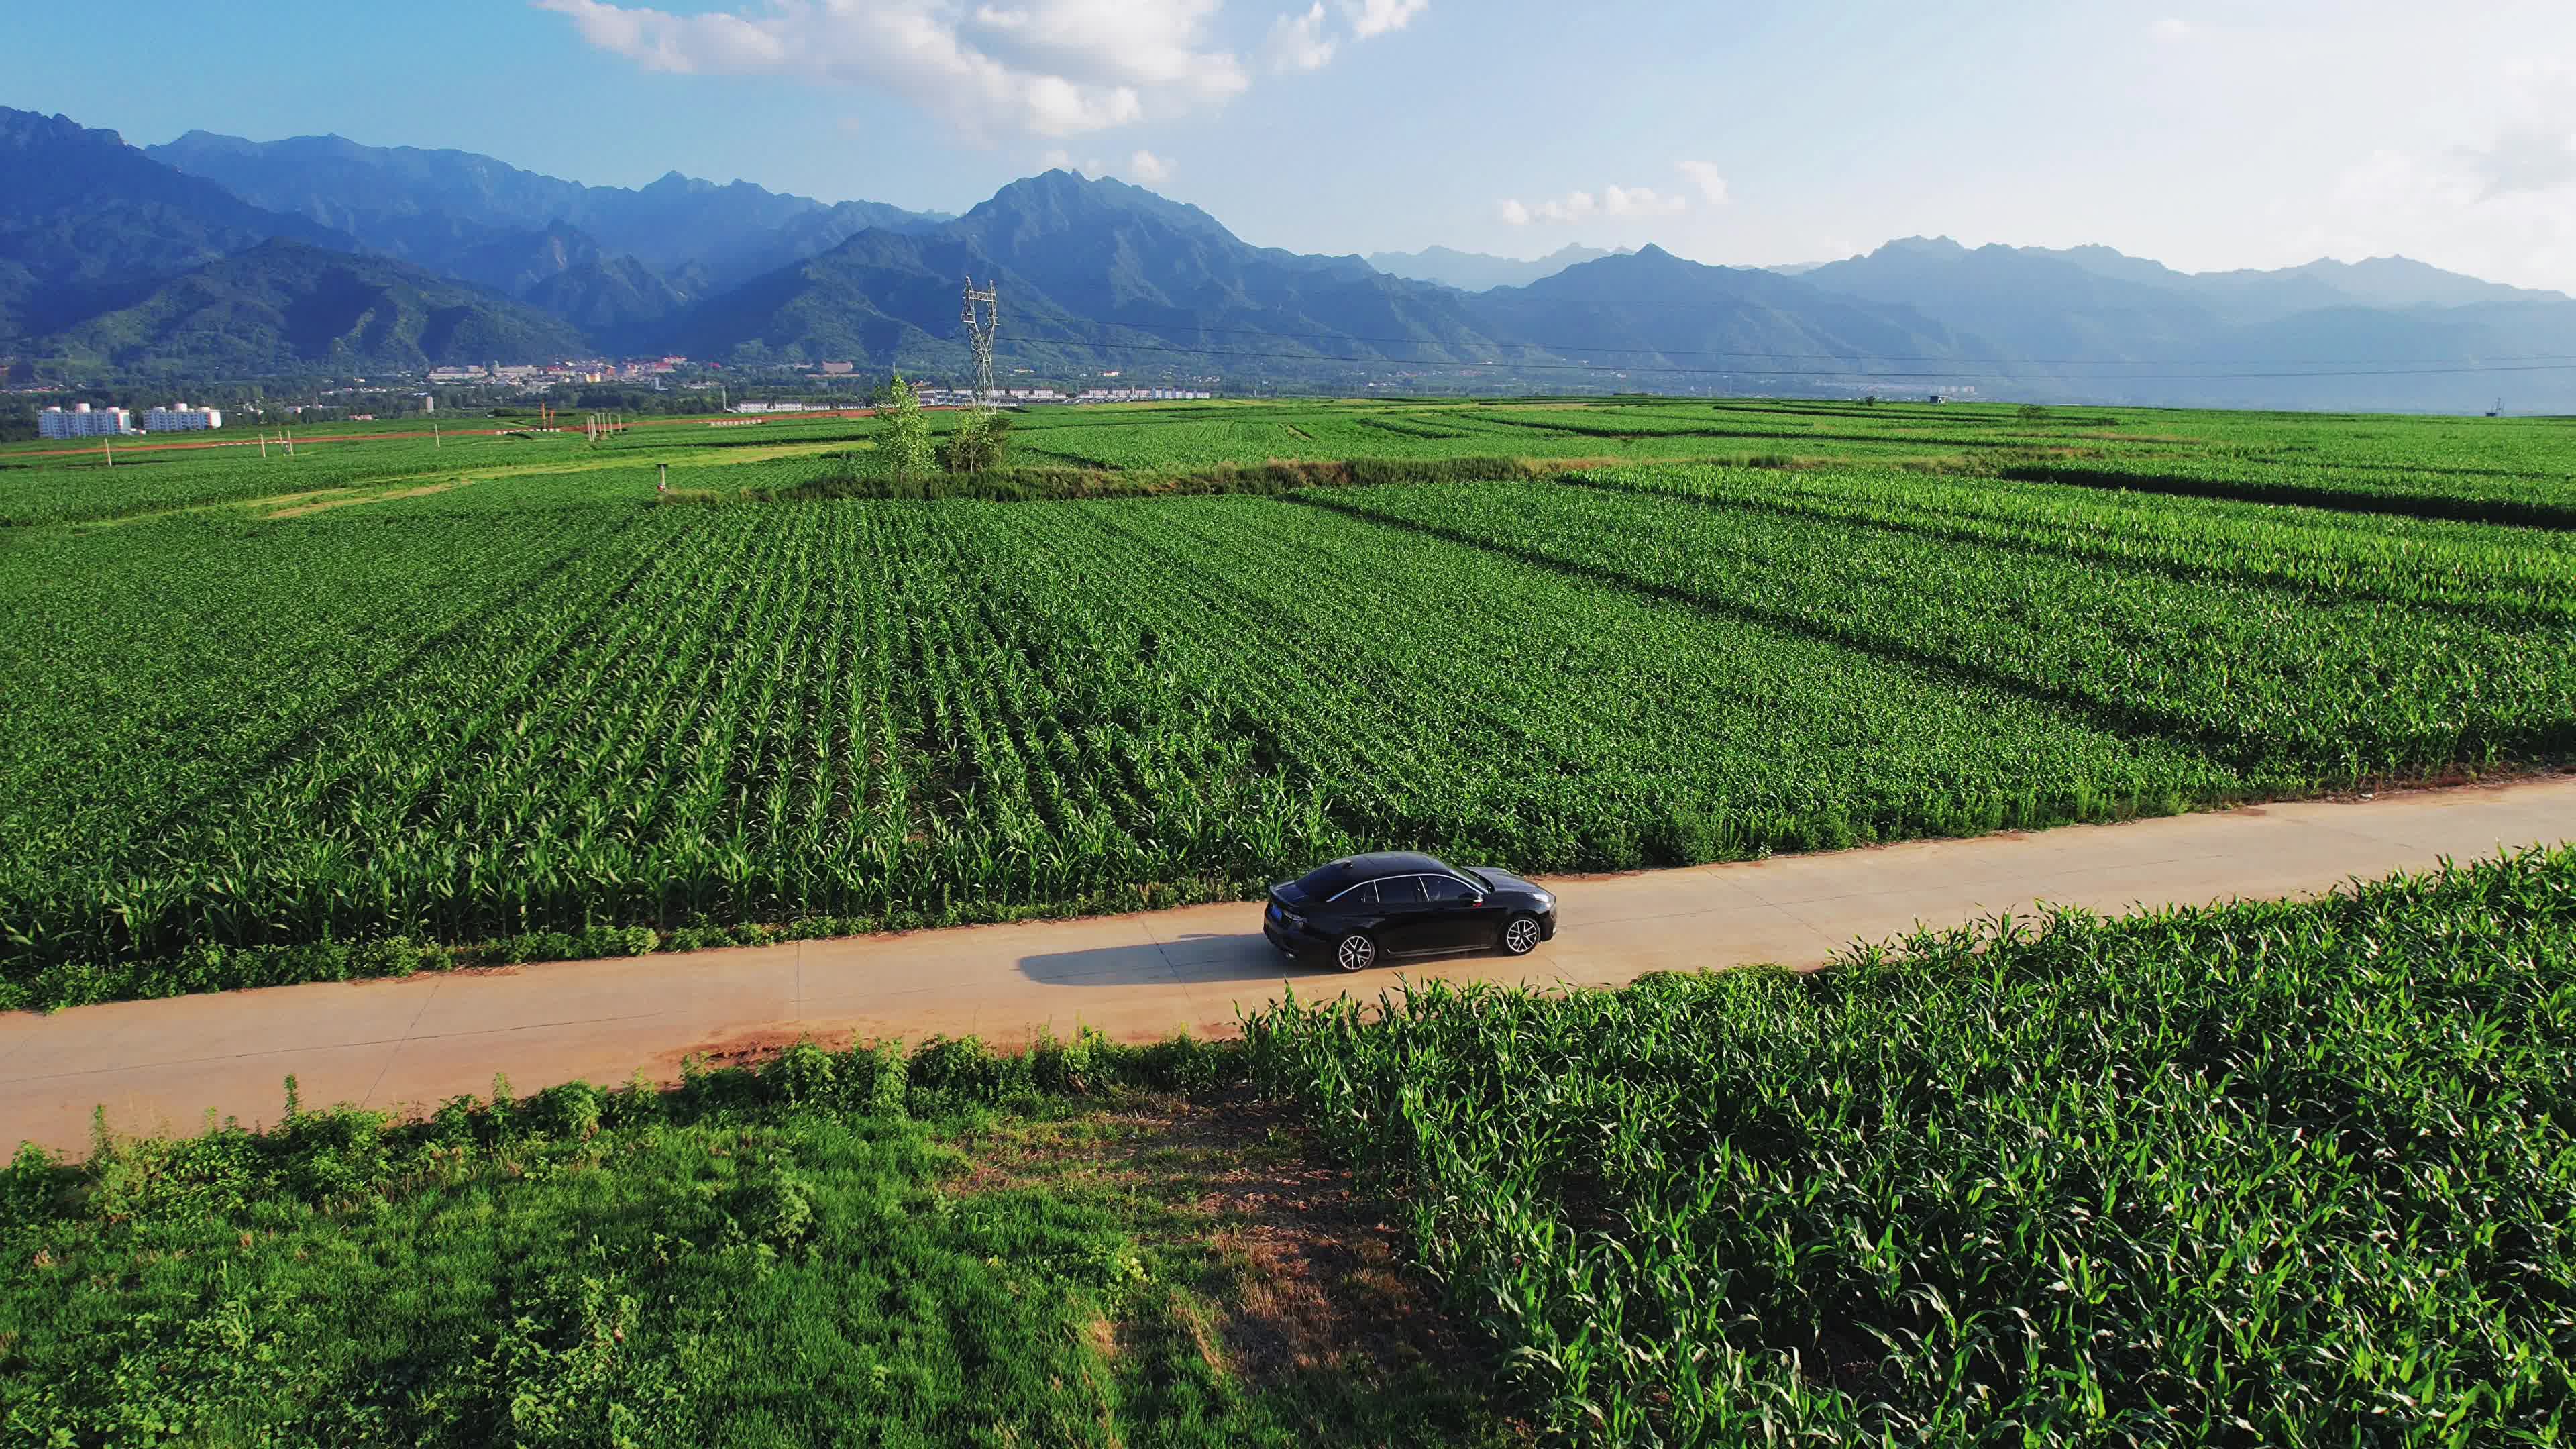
pixel 1363 908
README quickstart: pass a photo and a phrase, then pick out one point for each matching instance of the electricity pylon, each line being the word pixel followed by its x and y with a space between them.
pixel 979 331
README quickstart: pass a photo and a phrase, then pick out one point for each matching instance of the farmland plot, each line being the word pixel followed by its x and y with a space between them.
pixel 534 703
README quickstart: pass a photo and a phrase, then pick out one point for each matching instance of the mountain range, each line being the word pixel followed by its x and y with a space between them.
pixel 1480 271
pixel 215 256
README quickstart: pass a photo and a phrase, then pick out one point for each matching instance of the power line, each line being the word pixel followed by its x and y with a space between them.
pixel 1801 371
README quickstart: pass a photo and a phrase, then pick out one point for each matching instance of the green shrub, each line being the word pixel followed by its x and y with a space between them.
pixel 571 1111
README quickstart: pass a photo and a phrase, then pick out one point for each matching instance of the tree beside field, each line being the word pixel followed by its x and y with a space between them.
pixel 976 445
pixel 907 438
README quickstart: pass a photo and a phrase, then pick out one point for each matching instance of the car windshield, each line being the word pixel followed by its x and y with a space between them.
pixel 1480 878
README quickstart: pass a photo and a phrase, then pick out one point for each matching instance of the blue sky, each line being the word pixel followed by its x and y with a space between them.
pixel 2209 135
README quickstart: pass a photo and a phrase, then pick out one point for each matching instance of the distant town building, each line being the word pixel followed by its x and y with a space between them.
pixel 182 418
pixel 83 421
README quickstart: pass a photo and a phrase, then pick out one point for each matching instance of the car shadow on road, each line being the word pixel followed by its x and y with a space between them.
pixel 1201 957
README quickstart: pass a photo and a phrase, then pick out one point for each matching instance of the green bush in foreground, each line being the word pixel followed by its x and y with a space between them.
pixel 786 1257
pixel 2278 1174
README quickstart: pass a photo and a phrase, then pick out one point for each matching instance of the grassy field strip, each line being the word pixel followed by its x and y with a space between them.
pixel 852 1246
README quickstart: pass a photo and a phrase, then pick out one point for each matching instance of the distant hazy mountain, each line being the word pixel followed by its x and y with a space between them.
pixel 87 221
pixel 1478 271
pixel 2325 282
pixel 2404 282
pixel 1652 310
pixel 2031 305
pixel 424 205
pixel 2240 338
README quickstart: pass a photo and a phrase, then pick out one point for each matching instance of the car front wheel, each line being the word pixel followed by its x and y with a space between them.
pixel 1520 935
pixel 1355 952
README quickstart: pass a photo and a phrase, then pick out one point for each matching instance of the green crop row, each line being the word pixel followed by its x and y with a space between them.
pixel 2509 575
pixel 2284 687
pixel 2272 1175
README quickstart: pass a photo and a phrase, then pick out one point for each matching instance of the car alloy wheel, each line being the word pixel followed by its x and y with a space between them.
pixel 1520 935
pixel 1355 952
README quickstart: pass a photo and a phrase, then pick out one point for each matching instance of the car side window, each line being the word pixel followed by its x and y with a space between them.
pixel 1400 890
pixel 1365 893
pixel 1447 888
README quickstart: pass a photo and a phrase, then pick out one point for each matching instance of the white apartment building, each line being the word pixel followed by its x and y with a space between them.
pixel 83 421
pixel 182 418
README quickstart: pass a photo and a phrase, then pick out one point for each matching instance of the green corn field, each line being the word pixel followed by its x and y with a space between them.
pixel 2270 1175
pixel 486 692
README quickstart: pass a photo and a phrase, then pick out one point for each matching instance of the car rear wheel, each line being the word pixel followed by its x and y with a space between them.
pixel 1520 935
pixel 1355 952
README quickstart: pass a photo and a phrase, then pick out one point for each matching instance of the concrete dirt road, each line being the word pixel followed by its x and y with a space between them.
pixel 159 1066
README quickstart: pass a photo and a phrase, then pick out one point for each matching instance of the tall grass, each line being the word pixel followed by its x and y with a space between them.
pixel 802 1255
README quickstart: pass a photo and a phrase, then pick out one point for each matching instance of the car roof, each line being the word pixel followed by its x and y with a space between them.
pixel 1391 862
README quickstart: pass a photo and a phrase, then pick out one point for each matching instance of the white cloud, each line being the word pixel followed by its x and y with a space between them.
pixel 1377 17
pixel 1151 43
pixel 1703 174
pixel 1298 42
pixel 2495 202
pixel 1147 167
pixel 2173 30
pixel 2535 156
pixel 1639 201
pixel 1058 159
pixel 1574 206
pixel 1047 67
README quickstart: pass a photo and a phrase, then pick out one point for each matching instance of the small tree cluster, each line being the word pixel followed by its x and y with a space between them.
pixel 907 432
pixel 976 444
